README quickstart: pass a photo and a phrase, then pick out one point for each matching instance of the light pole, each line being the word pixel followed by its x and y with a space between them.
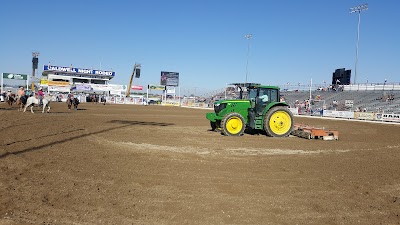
pixel 358 9
pixel 35 62
pixel 248 37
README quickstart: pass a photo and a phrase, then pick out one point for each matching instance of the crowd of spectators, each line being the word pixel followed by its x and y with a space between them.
pixel 386 97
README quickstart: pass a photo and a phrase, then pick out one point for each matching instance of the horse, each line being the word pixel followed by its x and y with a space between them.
pixel 21 102
pixel 103 100
pixel 93 98
pixel 73 101
pixel 32 101
pixel 10 99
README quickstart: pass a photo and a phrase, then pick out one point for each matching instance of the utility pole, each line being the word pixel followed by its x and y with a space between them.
pixel 136 68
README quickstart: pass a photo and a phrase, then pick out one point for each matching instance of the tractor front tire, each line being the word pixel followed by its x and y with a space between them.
pixel 233 124
pixel 278 122
pixel 215 126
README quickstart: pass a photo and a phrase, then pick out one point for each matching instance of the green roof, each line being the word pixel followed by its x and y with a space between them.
pixel 266 86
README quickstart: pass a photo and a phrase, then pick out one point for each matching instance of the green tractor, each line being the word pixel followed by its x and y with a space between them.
pixel 261 109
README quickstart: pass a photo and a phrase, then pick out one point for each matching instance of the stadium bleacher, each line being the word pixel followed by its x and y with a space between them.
pixel 344 99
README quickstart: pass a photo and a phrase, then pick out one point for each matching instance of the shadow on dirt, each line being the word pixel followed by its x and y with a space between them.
pixel 126 123
pixel 254 132
pixel 59 112
pixel 8 108
pixel 246 131
pixel 140 123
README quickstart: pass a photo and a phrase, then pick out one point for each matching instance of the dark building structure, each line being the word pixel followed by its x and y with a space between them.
pixel 341 76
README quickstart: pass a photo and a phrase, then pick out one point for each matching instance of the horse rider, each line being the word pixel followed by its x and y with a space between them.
pixel 41 95
pixel 71 97
pixel 20 93
pixel 28 93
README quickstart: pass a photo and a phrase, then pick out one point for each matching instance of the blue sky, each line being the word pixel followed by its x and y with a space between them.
pixel 293 41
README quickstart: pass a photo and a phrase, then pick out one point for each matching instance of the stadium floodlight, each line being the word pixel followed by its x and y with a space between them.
pixel 35 62
pixel 358 9
pixel 248 37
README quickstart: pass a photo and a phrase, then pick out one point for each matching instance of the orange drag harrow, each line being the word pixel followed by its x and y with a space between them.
pixel 308 132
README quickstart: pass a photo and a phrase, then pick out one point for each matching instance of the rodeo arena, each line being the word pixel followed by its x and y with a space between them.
pixel 247 153
pixel 338 99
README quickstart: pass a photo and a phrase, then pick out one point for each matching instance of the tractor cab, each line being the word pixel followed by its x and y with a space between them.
pixel 261 96
pixel 262 99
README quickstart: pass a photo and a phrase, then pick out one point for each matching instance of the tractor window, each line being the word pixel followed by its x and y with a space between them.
pixel 274 96
pixel 252 95
pixel 264 95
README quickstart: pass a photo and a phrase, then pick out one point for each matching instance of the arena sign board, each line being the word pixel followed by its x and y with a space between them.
pixel 59 88
pixel 15 76
pixel 169 78
pixel 338 114
pixel 364 115
pixel 387 117
pixel 136 87
pixel 156 87
pixel 82 87
pixel 69 69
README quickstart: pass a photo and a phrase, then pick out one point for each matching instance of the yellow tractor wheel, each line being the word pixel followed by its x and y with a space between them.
pixel 233 124
pixel 278 122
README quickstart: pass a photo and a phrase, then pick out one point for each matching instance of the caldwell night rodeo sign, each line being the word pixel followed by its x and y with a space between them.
pixel 72 70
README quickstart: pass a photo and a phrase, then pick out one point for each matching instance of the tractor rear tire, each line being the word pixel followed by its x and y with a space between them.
pixel 278 122
pixel 233 124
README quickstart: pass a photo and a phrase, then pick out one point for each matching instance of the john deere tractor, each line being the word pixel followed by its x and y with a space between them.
pixel 261 109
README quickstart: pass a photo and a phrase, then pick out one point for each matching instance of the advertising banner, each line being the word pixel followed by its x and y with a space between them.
pixel 15 76
pixel 44 82
pixel 170 90
pixel 82 87
pixel 156 87
pixel 338 114
pixel 136 87
pixel 387 117
pixel 100 87
pixel 169 78
pixel 59 88
pixel 364 115
pixel 58 83
pixel 117 87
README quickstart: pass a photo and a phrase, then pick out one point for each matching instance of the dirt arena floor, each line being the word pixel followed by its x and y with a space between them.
pixel 124 164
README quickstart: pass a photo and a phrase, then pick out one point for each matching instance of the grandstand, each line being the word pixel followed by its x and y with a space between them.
pixel 382 98
pixel 367 101
pixel 348 98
